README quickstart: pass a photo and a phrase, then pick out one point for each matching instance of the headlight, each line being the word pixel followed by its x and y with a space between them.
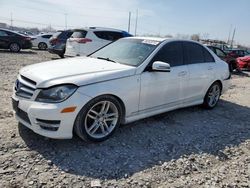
pixel 56 94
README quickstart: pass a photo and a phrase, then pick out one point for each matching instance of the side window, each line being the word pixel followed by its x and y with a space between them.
pixel 171 53
pixel 3 34
pixel 207 56
pixel 220 53
pixel 193 53
pixel 46 36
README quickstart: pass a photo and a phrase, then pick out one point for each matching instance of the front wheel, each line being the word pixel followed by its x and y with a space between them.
pixel 212 96
pixel 98 119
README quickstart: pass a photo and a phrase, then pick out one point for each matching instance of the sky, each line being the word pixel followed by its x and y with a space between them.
pixel 209 18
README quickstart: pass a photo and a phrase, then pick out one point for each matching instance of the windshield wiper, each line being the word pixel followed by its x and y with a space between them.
pixel 107 59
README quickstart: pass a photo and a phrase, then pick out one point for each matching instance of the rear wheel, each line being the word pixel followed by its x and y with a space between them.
pixel 98 119
pixel 42 46
pixel 14 47
pixel 212 96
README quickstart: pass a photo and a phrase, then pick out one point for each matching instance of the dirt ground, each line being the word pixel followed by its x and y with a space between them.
pixel 190 147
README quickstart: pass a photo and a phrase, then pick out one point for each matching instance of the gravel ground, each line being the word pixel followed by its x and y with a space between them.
pixel 190 147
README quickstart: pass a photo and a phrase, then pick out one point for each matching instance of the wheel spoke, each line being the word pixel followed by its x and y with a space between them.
pixel 106 126
pixel 94 112
pixel 105 107
pixel 102 128
pixel 92 117
pixel 95 128
pixel 95 124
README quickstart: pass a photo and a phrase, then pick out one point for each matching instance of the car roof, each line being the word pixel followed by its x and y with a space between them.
pixel 98 29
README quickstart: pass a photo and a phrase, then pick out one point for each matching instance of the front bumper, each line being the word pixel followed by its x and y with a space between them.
pixel 37 111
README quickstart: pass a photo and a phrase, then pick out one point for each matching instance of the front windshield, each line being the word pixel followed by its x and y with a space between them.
pixel 129 51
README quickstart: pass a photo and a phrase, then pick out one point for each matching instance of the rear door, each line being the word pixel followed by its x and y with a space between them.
pixel 201 66
pixel 4 39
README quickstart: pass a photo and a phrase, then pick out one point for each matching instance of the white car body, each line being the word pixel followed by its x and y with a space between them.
pixel 41 38
pixel 143 93
pixel 88 44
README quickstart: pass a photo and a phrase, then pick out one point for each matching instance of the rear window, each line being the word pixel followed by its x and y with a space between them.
pixel 109 35
pixel 79 34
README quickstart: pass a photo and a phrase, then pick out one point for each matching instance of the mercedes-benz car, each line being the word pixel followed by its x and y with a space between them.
pixel 130 79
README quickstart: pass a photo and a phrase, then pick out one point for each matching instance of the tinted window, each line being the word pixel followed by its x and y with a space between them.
pixel 79 34
pixel 46 36
pixel 171 53
pixel 109 35
pixel 3 33
pixel 193 52
pixel 207 56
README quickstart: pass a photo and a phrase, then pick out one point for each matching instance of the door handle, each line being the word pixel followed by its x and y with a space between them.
pixel 182 73
pixel 210 68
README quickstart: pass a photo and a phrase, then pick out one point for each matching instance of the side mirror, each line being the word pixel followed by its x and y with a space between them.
pixel 160 66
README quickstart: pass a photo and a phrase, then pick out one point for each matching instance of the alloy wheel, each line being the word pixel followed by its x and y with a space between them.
pixel 101 119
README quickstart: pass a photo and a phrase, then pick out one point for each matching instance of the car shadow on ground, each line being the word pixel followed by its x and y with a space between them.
pixel 244 73
pixel 21 52
pixel 146 143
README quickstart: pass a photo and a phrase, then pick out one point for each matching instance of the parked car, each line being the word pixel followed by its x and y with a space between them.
pixel 14 41
pixel 42 41
pixel 86 41
pixel 244 62
pixel 232 63
pixel 238 53
pixel 130 79
pixel 58 42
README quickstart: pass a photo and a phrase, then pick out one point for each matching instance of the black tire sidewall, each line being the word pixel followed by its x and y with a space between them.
pixel 19 48
pixel 79 127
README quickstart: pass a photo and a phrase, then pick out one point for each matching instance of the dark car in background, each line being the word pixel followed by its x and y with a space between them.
pixel 58 42
pixel 232 63
pixel 14 41
pixel 238 53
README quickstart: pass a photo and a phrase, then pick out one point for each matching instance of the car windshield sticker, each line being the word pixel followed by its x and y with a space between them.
pixel 152 42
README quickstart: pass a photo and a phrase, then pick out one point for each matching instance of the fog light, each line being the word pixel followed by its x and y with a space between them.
pixel 50 125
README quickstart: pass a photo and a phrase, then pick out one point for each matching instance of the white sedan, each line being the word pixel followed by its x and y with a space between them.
pixel 128 80
pixel 41 41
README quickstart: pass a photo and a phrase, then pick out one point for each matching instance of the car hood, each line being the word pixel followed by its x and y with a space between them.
pixel 79 71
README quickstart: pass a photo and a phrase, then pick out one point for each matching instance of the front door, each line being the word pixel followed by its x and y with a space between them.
pixel 165 88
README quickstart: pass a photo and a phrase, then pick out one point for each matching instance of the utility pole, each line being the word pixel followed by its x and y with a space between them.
pixel 11 21
pixel 233 37
pixel 228 40
pixel 129 18
pixel 65 20
pixel 136 20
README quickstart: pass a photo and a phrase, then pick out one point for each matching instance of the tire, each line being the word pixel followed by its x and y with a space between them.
pixel 98 119
pixel 212 96
pixel 14 47
pixel 61 55
pixel 42 46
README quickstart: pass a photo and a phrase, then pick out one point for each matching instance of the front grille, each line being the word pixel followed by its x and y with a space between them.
pixel 23 115
pixel 25 87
